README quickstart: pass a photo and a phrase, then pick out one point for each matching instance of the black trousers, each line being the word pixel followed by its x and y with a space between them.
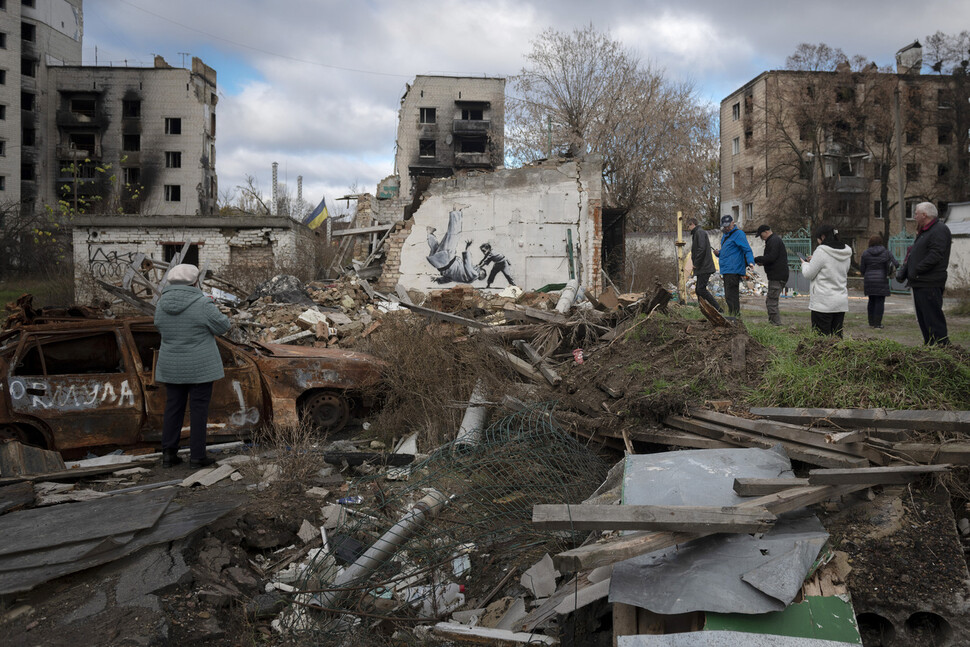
pixel 828 323
pixel 703 293
pixel 929 314
pixel 876 308
pixel 198 397
pixel 732 293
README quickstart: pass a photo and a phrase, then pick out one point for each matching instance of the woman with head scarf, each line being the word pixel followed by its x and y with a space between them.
pixel 828 270
pixel 188 361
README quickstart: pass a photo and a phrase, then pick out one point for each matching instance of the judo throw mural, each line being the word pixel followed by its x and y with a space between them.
pixel 459 267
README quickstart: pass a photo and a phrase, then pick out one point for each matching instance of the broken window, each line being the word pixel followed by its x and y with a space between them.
pixel 942 171
pixel 426 148
pixel 877 209
pixel 212 124
pixel 27 100
pixel 173 193
pixel 28 137
pixel 81 170
pixel 749 212
pixel 132 174
pixel 131 108
pixel 81 141
pixel 3 112
pixel 27 172
pixel 28 32
pixel 911 209
pixel 915 98
pixel 147 343
pixel 3 182
pixel 83 106
pixel 3 148
pixel 913 134
pixel 3 40
pixel 805 131
pixel 472 114
pixel 173 159
pixel 173 125
pixel 28 3
pixel 131 142
pixel 912 172
pixel 476 145
pixel 943 99
pixel 28 67
pixel 171 250
pixel 736 111
pixel 3 77
pixel 428 116
pixel 944 134
pixel 78 354
pixel 844 94
pixel 735 145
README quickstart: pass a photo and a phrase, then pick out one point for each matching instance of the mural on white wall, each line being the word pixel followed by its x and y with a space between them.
pixel 455 267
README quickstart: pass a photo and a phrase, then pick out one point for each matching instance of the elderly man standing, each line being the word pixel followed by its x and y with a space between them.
pixel 775 261
pixel 703 262
pixel 925 269
pixel 735 260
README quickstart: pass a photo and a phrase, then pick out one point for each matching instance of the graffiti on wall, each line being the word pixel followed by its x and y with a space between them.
pixel 108 264
pixel 70 397
pixel 459 267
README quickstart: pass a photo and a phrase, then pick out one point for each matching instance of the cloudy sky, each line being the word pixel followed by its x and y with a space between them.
pixel 315 84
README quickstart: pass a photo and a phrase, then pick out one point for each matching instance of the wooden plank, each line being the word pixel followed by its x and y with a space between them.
pixel 761 487
pixel 519 364
pixel 639 543
pixel 74 474
pixel 361 230
pixel 932 453
pixel 701 519
pixel 921 420
pixel 444 316
pixel 798 451
pixel 521 312
pixel 845 437
pixel 466 635
pixel 16 495
pixel 538 361
pixel 524 331
pixel 624 621
pixel 679 439
pixel 874 475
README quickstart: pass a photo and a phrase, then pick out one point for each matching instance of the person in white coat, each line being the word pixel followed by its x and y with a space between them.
pixel 828 270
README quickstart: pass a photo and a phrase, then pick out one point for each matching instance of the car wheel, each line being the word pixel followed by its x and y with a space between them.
pixel 327 410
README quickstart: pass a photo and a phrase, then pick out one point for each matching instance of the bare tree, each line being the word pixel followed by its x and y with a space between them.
pixel 584 93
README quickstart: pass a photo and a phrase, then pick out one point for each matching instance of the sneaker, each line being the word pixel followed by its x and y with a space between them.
pixel 171 458
pixel 205 461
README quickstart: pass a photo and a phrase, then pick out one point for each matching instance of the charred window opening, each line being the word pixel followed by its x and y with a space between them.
pixel 27 100
pixel 212 124
pixel 131 143
pixel 147 342
pixel 3 112
pixel 944 134
pixel 171 250
pixel 29 137
pixel 3 40
pixel 80 354
pixel 942 171
pixel 3 77
pixel 3 182
pixel 426 148
pixel 28 67
pixel 132 174
pixel 83 106
pixel 428 116
pixel 913 134
pixel 173 193
pixel 915 98
pixel 912 172
pixel 173 125
pixel 80 170
pixel 131 108
pixel 845 94
pixel 3 148
pixel 28 32
pixel 28 172
pixel 472 145
pixel 472 114
pixel 81 141
pixel 173 159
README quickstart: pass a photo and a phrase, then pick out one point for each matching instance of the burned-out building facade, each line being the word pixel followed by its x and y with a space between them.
pixel 447 124
pixel 131 140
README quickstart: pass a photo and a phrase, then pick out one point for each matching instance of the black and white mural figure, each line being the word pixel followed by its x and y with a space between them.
pixel 445 258
pixel 499 264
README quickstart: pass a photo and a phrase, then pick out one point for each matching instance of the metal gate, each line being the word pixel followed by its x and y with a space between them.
pixel 798 242
pixel 899 246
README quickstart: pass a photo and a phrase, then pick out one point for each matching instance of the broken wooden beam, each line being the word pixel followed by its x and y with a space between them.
pixel 538 361
pixel 359 458
pixel 638 543
pixel 761 487
pixel 674 437
pixel 361 230
pixel 527 313
pixel 523 367
pixel 892 475
pixel 921 420
pixel 444 316
pixel 702 519
pixel 933 453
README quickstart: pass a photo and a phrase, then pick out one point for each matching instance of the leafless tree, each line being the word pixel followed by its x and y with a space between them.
pixel 583 93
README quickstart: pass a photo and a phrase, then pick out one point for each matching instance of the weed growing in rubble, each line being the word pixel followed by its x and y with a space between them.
pixel 287 457
pixel 821 372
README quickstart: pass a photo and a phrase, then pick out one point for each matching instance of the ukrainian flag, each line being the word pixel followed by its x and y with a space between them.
pixel 317 216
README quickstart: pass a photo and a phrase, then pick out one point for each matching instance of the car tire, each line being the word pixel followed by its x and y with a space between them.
pixel 326 411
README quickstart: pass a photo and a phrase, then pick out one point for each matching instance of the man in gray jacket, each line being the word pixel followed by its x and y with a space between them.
pixel 188 361
pixel 703 262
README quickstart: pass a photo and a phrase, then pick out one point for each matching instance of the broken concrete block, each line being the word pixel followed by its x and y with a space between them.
pixel 310 318
pixel 323 493
pixel 308 531
pixel 131 471
pixel 241 577
pixel 333 515
pixel 216 475
pixel 540 579
pixel 193 479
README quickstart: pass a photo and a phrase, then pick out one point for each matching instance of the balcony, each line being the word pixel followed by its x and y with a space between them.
pixel 850 184
pixel 472 160
pixel 65 151
pixel 471 126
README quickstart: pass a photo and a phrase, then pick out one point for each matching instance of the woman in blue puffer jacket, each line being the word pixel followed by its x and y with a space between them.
pixel 876 264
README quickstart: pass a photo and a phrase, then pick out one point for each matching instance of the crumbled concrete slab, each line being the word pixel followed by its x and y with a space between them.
pixel 540 579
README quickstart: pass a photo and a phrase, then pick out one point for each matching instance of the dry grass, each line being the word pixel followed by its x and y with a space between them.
pixel 286 457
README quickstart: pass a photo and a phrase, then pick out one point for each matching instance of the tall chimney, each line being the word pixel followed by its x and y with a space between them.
pixel 276 206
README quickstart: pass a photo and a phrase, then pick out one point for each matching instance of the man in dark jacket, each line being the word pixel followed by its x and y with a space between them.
pixel 703 262
pixel 925 269
pixel 775 261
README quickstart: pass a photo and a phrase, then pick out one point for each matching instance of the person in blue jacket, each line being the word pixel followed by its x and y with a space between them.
pixel 736 259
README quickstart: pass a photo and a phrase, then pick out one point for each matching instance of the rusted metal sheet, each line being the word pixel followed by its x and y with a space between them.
pixel 87 383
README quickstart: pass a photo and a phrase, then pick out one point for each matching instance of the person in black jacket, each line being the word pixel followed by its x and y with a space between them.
pixel 775 261
pixel 703 262
pixel 925 270
pixel 876 264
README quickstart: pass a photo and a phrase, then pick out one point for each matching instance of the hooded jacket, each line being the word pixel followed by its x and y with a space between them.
pixel 875 265
pixel 774 259
pixel 700 252
pixel 188 322
pixel 829 273
pixel 735 254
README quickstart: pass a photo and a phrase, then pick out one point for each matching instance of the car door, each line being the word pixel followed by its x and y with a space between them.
pixel 81 383
pixel 237 401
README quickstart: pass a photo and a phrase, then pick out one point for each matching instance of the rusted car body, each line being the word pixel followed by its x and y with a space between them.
pixel 90 382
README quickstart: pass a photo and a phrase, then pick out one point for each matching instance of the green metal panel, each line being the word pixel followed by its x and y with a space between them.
pixel 798 242
pixel 824 618
pixel 898 246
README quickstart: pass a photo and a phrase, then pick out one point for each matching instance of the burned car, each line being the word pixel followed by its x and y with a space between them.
pixel 90 382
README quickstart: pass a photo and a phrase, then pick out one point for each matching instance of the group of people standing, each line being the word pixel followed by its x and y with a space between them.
pixel 925 269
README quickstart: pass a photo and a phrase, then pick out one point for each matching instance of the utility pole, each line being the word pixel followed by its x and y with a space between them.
pixel 681 260
pixel 901 197
pixel 549 154
pixel 183 55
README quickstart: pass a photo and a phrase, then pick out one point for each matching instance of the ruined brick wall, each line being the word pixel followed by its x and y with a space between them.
pixel 392 260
